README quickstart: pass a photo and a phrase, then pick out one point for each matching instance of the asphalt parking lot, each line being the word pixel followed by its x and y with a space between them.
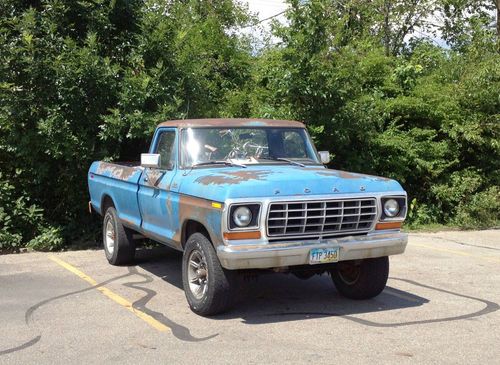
pixel 441 305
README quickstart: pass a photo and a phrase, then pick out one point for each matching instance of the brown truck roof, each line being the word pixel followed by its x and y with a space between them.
pixel 231 122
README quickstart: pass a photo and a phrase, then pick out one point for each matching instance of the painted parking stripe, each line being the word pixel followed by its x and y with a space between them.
pixel 487 258
pixel 115 297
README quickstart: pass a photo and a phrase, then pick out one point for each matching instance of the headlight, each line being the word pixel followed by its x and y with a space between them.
pixel 242 216
pixel 391 208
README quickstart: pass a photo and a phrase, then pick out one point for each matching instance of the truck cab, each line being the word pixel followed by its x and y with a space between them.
pixel 251 194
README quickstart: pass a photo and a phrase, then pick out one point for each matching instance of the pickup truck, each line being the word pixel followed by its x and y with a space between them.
pixel 245 194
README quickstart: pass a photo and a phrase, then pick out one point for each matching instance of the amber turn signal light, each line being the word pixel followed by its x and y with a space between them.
pixel 252 235
pixel 388 225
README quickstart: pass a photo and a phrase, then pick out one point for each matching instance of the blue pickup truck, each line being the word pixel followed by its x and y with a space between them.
pixel 240 194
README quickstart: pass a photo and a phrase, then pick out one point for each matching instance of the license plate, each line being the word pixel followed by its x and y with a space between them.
pixel 324 255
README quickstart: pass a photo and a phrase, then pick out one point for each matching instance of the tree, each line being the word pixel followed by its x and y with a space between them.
pixel 87 80
pixel 469 21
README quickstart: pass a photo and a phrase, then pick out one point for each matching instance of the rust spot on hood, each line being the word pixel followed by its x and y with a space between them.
pixel 117 171
pixel 337 173
pixel 233 177
pixel 347 175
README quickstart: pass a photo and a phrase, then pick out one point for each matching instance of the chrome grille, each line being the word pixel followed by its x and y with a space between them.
pixel 326 217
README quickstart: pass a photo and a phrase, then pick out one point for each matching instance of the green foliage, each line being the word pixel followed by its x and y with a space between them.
pixel 87 80
pixel 90 79
pixel 481 210
pixel 424 115
pixel 49 239
pixel 21 221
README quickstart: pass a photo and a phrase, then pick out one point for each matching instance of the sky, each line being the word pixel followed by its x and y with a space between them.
pixel 266 8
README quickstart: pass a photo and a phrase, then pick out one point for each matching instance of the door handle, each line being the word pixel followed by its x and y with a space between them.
pixel 155 183
pixel 146 179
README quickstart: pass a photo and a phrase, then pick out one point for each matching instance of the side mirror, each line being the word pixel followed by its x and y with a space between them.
pixel 151 160
pixel 324 157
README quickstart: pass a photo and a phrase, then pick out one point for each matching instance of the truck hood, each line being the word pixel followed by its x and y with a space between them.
pixel 223 183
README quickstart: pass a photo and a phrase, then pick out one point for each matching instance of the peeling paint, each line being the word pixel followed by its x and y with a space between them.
pixel 200 210
pixel 128 222
pixel 153 176
pixel 347 174
pixel 117 170
pixel 233 177
pixel 262 181
pixel 339 173
pixel 169 204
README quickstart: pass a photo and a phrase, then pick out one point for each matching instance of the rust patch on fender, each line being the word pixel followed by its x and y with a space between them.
pixel 231 178
pixel 169 204
pixel 121 172
pixel 127 221
pixel 193 208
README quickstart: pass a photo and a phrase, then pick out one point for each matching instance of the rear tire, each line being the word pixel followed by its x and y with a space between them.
pixel 119 246
pixel 207 285
pixel 361 279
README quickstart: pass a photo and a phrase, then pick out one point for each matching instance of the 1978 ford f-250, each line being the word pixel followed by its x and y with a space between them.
pixel 238 194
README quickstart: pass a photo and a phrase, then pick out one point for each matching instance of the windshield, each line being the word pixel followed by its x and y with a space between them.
pixel 247 146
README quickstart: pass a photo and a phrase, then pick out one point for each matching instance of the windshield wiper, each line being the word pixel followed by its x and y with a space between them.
pixel 219 162
pixel 283 159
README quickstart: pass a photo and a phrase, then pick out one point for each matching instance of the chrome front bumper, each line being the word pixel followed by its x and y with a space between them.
pixel 270 255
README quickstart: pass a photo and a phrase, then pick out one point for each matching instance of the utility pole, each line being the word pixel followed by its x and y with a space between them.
pixel 497 4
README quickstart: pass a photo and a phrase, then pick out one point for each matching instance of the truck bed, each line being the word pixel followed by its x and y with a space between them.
pixel 120 182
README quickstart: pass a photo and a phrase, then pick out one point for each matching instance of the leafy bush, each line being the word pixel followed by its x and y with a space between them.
pixel 89 80
pixel 481 210
pixel 49 239
pixel 86 80
pixel 22 222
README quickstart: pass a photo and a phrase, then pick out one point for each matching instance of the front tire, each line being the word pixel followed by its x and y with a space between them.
pixel 207 285
pixel 119 245
pixel 361 279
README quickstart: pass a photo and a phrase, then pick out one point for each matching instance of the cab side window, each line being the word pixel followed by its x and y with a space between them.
pixel 165 147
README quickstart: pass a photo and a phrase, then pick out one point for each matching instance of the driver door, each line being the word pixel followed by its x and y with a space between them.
pixel 154 188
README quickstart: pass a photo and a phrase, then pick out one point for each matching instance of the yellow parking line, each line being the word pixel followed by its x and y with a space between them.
pixel 115 297
pixel 487 258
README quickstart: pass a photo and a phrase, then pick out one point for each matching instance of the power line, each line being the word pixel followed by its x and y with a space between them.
pixel 265 19
pixel 271 17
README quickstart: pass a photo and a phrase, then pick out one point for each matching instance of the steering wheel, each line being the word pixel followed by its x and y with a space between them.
pixel 236 153
pixel 258 148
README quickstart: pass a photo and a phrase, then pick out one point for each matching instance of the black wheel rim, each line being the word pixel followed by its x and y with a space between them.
pixel 349 273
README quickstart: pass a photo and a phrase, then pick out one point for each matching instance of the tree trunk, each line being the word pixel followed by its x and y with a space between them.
pixel 497 3
pixel 387 31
